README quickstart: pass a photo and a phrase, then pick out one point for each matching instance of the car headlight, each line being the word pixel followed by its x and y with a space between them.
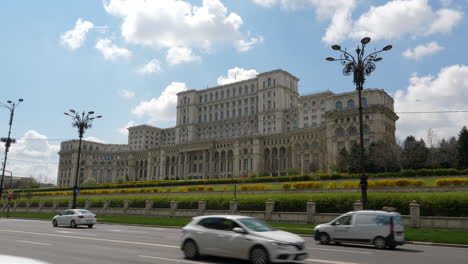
pixel 281 245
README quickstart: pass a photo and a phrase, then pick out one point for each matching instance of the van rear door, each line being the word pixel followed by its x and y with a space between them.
pixel 398 229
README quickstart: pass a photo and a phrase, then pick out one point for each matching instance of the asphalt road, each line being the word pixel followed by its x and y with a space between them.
pixel 112 244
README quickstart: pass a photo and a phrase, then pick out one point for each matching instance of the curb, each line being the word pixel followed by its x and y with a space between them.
pixel 421 243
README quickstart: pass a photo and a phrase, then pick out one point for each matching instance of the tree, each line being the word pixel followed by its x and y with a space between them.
pixel 431 139
pixel 446 153
pixel 462 148
pixel 384 156
pixel 342 161
pixel 415 153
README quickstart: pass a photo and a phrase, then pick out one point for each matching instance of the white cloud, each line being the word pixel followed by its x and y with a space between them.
pixel 422 50
pixel 162 108
pixel 245 45
pixel 152 67
pixel 111 51
pixel 446 92
pixel 237 74
pixel 177 55
pixel 75 37
pixel 176 23
pixel 34 157
pixel 392 20
pixel 123 130
pixel 400 18
pixel 126 93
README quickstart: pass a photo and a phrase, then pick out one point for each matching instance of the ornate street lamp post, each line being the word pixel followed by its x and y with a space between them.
pixel 81 121
pixel 360 66
pixel 8 141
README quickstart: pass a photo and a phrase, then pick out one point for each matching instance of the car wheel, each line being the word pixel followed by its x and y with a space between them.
pixel 324 239
pixel 73 224
pixel 54 223
pixel 379 242
pixel 190 249
pixel 258 255
pixel 90 226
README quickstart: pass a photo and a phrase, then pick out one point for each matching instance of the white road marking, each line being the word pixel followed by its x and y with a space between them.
pixel 65 232
pixel 71 232
pixel 94 239
pixel 329 261
pixel 170 237
pixel 115 230
pixel 341 250
pixel 175 260
pixel 37 243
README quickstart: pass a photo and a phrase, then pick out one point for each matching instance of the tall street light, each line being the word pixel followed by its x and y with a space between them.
pixel 8 141
pixel 81 121
pixel 360 66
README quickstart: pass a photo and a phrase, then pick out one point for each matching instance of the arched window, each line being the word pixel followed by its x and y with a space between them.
pixel 365 130
pixel 340 132
pixel 350 103
pixel 339 105
pixel 364 101
pixel 352 131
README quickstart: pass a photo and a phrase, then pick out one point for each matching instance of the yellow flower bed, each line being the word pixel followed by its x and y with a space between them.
pixel 452 182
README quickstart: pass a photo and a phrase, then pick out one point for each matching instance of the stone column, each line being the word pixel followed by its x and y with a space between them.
pixel 233 206
pixel 126 205
pixel 311 207
pixel 70 204
pixel 286 167
pixel 205 165
pixel 415 211
pixel 270 207
pixel 55 205
pixel 41 205
pixel 293 157
pixel 357 205
pixel 106 205
pixel 88 204
pixel 270 165
pixel 148 206
pixel 174 205
pixel 201 207
pixel 28 204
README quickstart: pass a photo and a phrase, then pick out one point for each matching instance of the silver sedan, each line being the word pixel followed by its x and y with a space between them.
pixel 74 218
pixel 240 237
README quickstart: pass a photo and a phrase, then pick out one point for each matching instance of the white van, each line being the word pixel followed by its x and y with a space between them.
pixel 379 228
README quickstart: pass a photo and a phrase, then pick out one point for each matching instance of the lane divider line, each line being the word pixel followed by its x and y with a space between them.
pixel 341 250
pixel 329 261
pixel 93 239
pixel 175 260
pixel 31 242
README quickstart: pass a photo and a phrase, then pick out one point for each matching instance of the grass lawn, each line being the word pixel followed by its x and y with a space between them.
pixel 425 235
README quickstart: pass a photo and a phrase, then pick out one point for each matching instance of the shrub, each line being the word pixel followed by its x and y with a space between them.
pixel 452 182
pixel 351 184
pixel 307 185
pixel 332 185
pixel 286 186
pixel 253 187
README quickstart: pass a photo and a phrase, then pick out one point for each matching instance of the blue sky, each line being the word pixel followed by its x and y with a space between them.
pixel 126 60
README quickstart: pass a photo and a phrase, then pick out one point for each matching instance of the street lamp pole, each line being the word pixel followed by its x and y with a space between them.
pixel 360 66
pixel 8 141
pixel 81 121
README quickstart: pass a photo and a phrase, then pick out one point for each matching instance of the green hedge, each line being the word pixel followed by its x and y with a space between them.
pixel 432 204
pixel 317 177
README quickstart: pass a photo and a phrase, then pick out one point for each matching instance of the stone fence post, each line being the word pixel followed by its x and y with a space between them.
pixel 106 204
pixel 311 207
pixel 174 205
pixel 233 206
pixel 28 204
pixel 126 205
pixel 55 205
pixel 415 212
pixel 16 204
pixel 88 204
pixel 41 204
pixel 148 206
pixel 270 208
pixel 357 205
pixel 70 204
pixel 201 207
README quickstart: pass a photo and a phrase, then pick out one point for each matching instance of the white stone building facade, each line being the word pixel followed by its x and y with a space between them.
pixel 261 125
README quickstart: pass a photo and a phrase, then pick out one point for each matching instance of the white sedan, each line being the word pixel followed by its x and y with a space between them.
pixel 240 237
pixel 74 218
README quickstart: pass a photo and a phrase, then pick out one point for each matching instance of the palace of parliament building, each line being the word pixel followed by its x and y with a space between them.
pixel 260 125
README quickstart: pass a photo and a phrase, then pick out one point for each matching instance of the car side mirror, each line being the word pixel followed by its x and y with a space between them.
pixel 333 223
pixel 239 230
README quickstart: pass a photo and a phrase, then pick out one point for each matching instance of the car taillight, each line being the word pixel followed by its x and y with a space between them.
pixel 80 216
pixel 392 227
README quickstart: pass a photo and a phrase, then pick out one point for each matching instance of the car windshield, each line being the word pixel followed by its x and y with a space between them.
pixel 255 225
pixel 84 212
